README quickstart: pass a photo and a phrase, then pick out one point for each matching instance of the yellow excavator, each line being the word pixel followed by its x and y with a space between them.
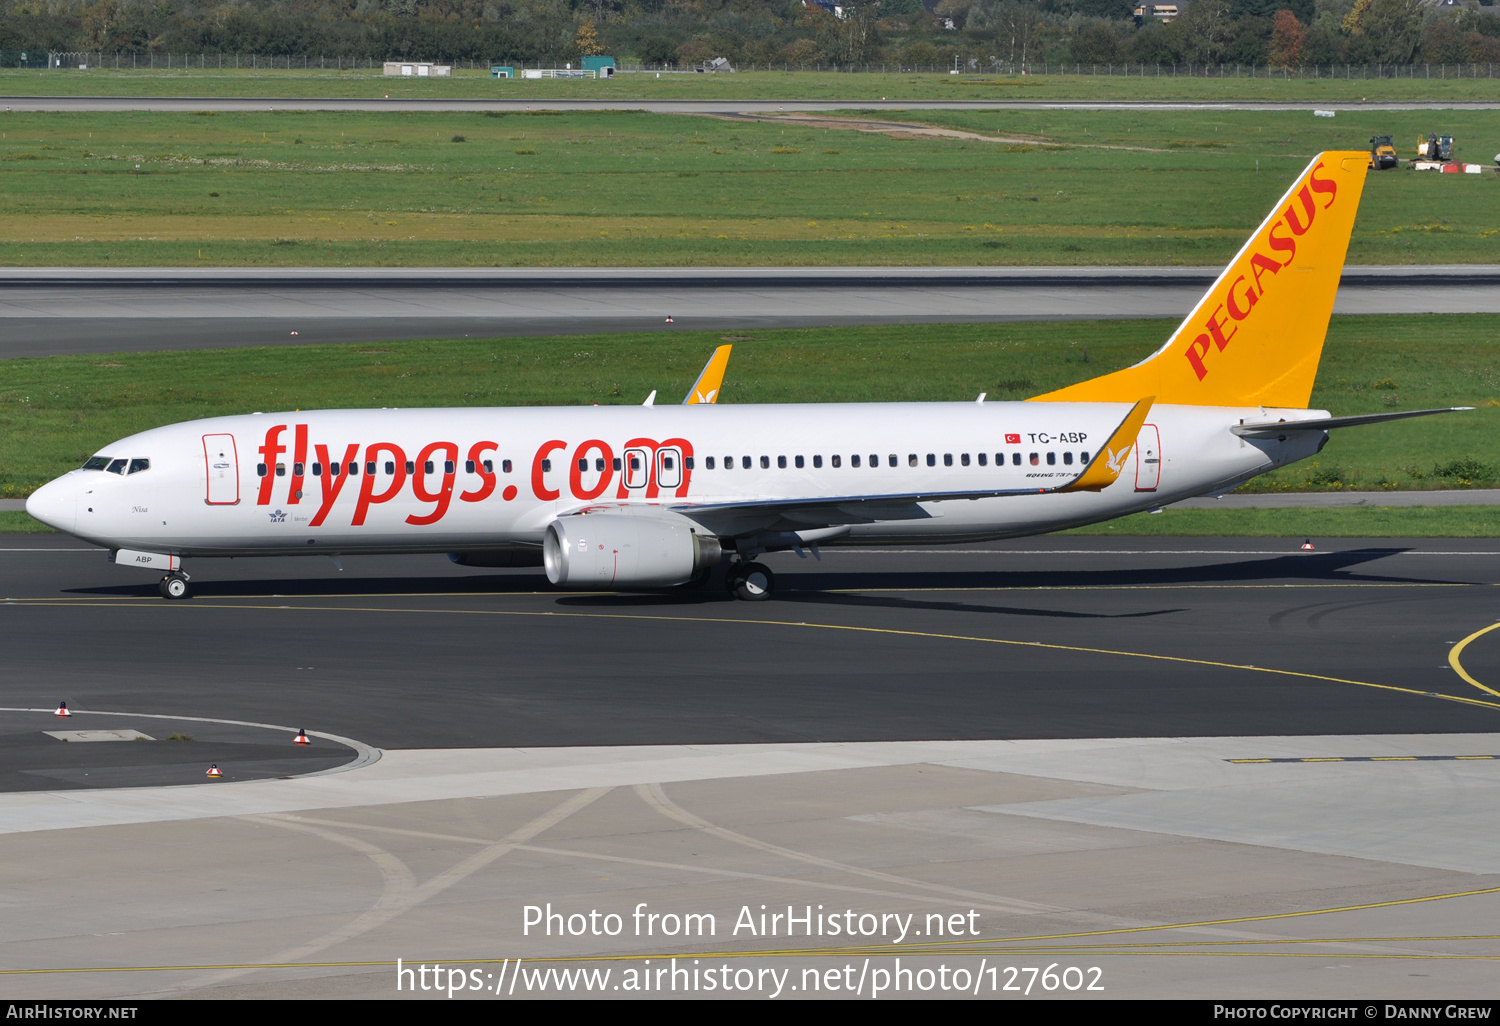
pixel 1435 147
pixel 1382 153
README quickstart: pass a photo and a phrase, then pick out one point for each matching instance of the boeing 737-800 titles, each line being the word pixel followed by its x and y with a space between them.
pixel 657 496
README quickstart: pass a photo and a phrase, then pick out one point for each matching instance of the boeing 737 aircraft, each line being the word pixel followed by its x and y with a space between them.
pixel 657 496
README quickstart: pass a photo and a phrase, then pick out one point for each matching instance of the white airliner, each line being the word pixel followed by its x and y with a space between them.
pixel 657 496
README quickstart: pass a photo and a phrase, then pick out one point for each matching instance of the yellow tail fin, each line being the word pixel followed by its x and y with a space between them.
pixel 1255 337
pixel 706 388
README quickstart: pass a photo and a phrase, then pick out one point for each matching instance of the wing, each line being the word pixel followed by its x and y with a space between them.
pixel 823 511
pixel 706 388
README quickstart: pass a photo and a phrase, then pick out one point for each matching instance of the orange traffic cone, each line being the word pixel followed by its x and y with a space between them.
pixel 213 772
pixel 301 738
pixel 62 709
pixel 1307 546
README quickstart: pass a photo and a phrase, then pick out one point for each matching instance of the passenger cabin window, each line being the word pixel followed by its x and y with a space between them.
pixel 427 467
pixel 599 464
pixel 687 463
pixel 635 463
pixel 745 462
pixel 817 462
pixel 799 462
pixel 317 470
pixel 547 466
pixel 708 462
pixel 411 467
pixel 297 469
pixel 781 463
pixel 583 464
pixel 1051 459
pixel 1035 459
pixel 1015 459
pixel 616 463
pixel 390 467
pixel 96 463
pixel 1068 458
pixel 1083 457
pixel 504 466
pixel 947 459
pixel 260 470
pixel 874 459
pixel 893 459
pixel 280 469
pixel 447 466
pixel 765 463
pixel 854 460
pixel 964 459
pixel 984 459
pixel 835 460
pixel 911 460
pixel 489 466
pixel 668 463
pixel 468 466
pixel 931 459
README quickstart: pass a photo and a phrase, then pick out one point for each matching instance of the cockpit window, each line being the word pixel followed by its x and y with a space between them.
pixel 136 466
pixel 96 463
pixel 116 466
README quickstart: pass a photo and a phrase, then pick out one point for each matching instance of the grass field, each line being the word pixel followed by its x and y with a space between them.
pixel 631 189
pixel 55 412
pixel 748 85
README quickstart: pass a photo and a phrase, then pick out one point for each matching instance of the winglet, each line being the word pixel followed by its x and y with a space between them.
pixel 1109 461
pixel 706 388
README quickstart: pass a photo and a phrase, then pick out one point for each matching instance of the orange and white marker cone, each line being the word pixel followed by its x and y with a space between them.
pixel 301 738
pixel 1307 546
pixel 62 709
pixel 213 772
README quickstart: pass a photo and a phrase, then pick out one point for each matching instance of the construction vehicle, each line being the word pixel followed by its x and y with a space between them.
pixel 1382 153
pixel 1435 147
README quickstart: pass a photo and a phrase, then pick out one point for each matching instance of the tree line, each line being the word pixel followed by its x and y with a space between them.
pixel 973 33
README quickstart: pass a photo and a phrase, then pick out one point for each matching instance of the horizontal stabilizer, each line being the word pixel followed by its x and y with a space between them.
pixel 1281 427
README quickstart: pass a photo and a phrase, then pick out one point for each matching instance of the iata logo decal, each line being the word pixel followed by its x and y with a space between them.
pixel 1240 298
pixel 278 516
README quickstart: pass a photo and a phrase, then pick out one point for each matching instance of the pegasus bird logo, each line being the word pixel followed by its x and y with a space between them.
pixel 1115 460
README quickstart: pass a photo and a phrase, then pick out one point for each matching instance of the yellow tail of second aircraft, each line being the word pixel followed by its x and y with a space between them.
pixel 1255 337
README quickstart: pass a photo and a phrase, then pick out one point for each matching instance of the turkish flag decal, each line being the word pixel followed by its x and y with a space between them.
pixel 1012 439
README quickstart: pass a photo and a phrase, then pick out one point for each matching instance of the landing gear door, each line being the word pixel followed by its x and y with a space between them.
pixel 1147 459
pixel 669 466
pixel 221 462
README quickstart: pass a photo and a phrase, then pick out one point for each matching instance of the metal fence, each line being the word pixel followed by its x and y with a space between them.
pixel 971 66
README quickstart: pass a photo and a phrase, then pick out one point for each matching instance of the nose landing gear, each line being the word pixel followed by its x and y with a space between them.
pixel 752 582
pixel 175 586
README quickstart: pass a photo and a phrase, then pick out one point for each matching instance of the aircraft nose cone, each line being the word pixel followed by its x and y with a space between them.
pixel 55 504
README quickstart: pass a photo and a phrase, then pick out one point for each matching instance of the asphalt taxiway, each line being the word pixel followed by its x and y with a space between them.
pixel 52 311
pixel 1110 754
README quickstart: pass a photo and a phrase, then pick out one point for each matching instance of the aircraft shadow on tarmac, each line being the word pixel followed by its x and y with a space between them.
pixel 826 586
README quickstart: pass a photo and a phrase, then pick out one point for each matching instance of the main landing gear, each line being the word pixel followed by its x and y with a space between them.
pixel 175 586
pixel 752 582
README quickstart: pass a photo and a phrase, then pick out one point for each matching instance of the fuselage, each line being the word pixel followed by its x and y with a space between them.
pixel 443 480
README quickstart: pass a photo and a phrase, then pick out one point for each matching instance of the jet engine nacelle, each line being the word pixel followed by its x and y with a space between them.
pixel 604 550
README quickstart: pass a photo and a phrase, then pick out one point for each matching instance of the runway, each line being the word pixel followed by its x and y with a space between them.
pixel 53 311
pixel 1109 754
pixel 675 106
